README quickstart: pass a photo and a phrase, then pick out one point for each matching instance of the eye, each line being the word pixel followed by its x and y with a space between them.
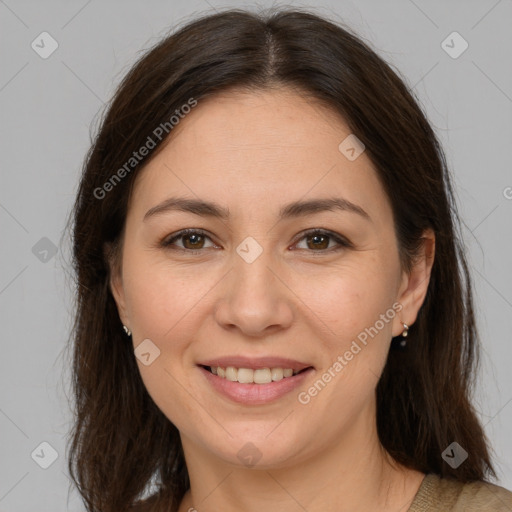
pixel 318 241
pixel 194 240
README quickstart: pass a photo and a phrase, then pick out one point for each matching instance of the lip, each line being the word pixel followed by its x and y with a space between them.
pixel 256 363
pixel 254 394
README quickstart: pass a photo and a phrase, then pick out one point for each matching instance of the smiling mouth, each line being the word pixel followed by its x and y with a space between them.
pixel 250 376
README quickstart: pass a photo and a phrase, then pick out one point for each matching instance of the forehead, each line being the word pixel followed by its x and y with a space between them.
pixel 270 122
pixel 254 148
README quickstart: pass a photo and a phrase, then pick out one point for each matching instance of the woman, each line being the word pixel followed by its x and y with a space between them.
pixel 274 308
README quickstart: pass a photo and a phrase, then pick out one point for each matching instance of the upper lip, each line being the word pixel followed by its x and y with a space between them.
pixel 255 362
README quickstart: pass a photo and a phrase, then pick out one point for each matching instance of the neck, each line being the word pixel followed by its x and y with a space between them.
pixel 356 474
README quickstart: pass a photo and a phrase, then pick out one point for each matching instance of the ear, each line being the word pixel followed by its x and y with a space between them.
pixel 112 258
pixel 414 285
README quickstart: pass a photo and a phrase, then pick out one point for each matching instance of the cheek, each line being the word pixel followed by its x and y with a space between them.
pixel 346 300
pixel 345 315
pixel 160 296
pixel 161 303
pixel 344 309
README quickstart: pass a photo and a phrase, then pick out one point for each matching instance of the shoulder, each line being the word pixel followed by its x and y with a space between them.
pixel 481 496
pixel 443 494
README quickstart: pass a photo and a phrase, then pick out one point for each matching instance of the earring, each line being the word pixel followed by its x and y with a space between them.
pixel 405 332
pixel 127 331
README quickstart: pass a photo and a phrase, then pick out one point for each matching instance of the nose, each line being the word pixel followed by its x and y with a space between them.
pixel 254 298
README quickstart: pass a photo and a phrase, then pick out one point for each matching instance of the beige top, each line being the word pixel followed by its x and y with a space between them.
pixel 439 495
pixel 443 495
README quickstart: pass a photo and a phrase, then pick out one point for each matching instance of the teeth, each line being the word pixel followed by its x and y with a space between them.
pixel 245 375
pixel 250 376
pixel 231 374
pixel 277 374
pixel 262 376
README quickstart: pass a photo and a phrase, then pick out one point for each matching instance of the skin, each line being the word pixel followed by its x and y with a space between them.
pixel 253 153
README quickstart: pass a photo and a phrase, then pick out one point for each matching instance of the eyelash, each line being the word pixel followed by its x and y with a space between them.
pixel 342 242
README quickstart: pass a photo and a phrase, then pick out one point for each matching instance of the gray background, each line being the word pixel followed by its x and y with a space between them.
pixel 48 105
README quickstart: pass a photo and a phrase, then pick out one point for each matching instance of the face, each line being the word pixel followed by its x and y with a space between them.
pixel 319 287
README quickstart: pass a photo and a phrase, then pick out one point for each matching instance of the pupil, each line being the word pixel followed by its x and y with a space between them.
pixel 316 238
pixel 194 238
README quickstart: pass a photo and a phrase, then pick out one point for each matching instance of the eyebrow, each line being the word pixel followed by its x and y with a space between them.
pixel 294 209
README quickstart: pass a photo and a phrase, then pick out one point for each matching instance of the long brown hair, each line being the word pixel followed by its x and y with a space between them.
pixel 121 441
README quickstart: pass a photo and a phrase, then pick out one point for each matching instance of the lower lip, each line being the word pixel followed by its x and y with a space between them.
pixel 255 394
